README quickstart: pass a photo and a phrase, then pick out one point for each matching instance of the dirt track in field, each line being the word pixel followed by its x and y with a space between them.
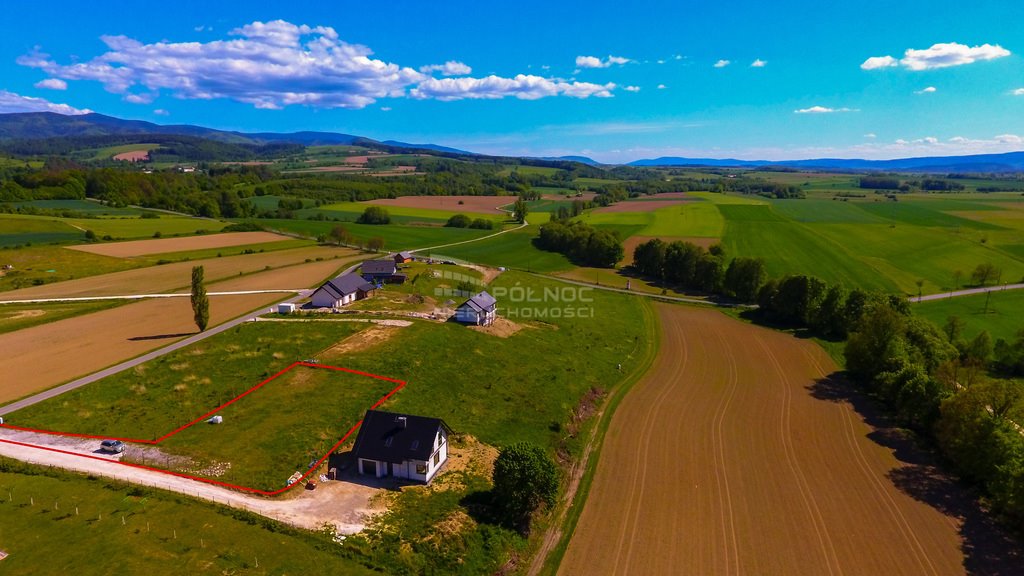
pixel 43 356
pixel 165 245
pixel 177 275
pixel 734 455
pixel 470 204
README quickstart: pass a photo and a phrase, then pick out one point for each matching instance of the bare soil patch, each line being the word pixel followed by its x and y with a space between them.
pixel 165 245
pixel 727 459
pixel 362 340
pixel 469 204
pixel 133 156
pixel 502 328
pixel 178 275
pixel 641 205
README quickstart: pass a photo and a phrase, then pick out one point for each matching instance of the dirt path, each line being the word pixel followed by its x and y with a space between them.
pixel 727 459
pixel 346 506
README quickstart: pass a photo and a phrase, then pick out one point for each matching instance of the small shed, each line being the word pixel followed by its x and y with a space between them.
pixel 403 257
pixel 481 310
pixel 401 446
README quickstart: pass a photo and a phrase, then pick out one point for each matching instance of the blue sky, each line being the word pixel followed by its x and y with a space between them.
pixel 614 81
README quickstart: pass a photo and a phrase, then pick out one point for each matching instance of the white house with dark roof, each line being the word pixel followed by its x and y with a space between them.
pixel 401 446
pixel 481 310
pixel 342 290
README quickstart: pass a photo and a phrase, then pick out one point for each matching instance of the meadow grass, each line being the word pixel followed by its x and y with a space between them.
pixel 20 316
pixel 18 231
pixel 695 219
pixel 147 227
pixel 1003 319
pixel 44 264
pixel 111 151
pixel 92 208
pixel 52 522
pixel 396 237
pixel 920 214
pixel 513 249
pixel 399 214
pixel 820 210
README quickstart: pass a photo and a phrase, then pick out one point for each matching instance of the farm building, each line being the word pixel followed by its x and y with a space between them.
pixel 401 446
pixel 342 290
pixel 481 310
pixel 381 271
pixel 403 257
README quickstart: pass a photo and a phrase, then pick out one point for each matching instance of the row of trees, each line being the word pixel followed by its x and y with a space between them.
pixel 581 243
pixel 463 221
pixel 682 264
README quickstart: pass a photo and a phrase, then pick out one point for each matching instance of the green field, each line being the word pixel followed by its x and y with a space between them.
pixel 91 208
pixel 20 316
pixel 55 523
pixel 695 219
pixel 396 237
pixel 513 249
pixel 44 264
pixel 1004 318
pixel 16 230
pixel 111 151
pixel 350 211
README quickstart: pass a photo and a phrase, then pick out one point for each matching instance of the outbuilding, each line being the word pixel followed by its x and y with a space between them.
pixel 481 310
pixel 381 271
pixel 403 257
pixel 342 290
pixel 401 446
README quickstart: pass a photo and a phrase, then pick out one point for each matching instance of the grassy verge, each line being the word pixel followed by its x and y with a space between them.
pixel 1003 316
pixel 20 316
pixel 53 522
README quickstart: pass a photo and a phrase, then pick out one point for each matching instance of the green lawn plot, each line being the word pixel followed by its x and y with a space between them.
pixel 427 286
pixel 111 151
pixel 396 237
pixel 270 202
pixel 822 210
pixel 44 264
pixel 906 253
pixel 1003 319
pixel 18 230
pixel 275 431
pixel 399 214
pixel 166 225
pixel 53 522
pixel 160 395
pixel 722 198
pixel 86 206
pixel 523 387
pixel 513 249
pixel 921 214
pixel 569 192
pixel 544 205
pixel 791 248
pixel 19 316
pixel 694 219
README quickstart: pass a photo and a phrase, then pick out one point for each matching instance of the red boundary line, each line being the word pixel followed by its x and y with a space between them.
pixel 204 417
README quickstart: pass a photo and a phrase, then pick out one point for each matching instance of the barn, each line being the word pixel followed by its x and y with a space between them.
pixel 341 290
pixel 401 446
pixel 481 309
pixel 403 257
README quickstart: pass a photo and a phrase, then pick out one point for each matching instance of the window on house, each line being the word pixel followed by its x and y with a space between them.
pixel 421 468
pixel 437 458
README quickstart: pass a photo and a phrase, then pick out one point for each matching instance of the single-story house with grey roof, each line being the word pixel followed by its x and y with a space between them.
pixel 401 446
pixel 342 290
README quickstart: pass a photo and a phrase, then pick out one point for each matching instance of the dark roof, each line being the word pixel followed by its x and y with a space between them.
pixel 379 267
pixel 382 437
pixel 346 284
pixel 481 302
pixel 405 255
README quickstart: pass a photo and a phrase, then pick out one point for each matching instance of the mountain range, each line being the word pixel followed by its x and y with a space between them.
pixel 45 125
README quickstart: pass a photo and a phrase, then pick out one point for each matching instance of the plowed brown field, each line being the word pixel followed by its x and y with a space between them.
pixel 165 245
pixel 40 357
pixel 724 460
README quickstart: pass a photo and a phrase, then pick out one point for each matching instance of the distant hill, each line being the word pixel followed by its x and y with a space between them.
pixel 580 159
pixel 1006 162
pixel 45 125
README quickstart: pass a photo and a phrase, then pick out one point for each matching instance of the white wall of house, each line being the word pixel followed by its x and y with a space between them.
pixel 423 471
pixel 324 299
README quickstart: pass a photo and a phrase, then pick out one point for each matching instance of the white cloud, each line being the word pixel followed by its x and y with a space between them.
pixel 677 57
pixel 871 135
pixel 11 102
pixel 926 140
pixel 271 65
pixel 52 84
pixel 524 87
pixel 632 88
pixel 927 90
pixel 823 110
pixel 385 108
pixel 942 55
pixel 1018 92
pixel 662 86
pixel 758 63
pixel 722 63
pixel 595 62
pixel 449 68
pixel 958 140
pixel 876 62
pixel 661 61
pixel 1009 139
pixel 161 112
pixel 901 142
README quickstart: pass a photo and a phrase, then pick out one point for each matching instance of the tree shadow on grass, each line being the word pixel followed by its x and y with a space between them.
pixel 161 336
pixel 988 548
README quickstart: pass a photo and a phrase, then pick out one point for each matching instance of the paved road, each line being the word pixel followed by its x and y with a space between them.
pixel 142 296
pixel 967 292
pixel 54 392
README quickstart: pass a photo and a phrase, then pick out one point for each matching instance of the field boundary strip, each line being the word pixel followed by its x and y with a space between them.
pixel 399 385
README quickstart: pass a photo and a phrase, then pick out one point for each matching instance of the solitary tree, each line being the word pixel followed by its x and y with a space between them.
pixel 524 478
pixel 985 272
pixel 519 210
pixel 340 235
pixel 200 302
